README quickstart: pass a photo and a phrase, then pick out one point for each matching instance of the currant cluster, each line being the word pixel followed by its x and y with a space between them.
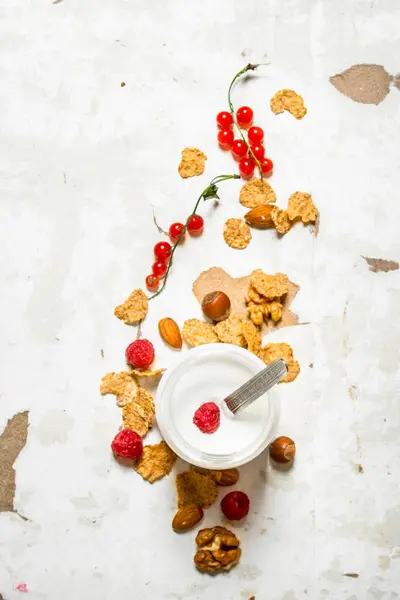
pixel 163 250
pixel 246 153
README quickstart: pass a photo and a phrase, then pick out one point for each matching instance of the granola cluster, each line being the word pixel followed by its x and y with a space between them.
pixel 288 100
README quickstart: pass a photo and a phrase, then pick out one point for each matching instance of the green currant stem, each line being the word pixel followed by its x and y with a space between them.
pixel 209 192
pixel 248 67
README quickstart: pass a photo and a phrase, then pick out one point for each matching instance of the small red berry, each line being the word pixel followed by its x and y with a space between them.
pixel 152 283
pixel 140 354
pixel 244 117
pixel 246 168
pixel 159 269
pixel 195 225
pixel 175 231
pixel 162 251
pixel 225 138
pixel 207 417
pixel 258 152
pixel 266 166
pixel 239 149
pixel 235 505
pixel 255 135
pixel 127 445
pixel 224 120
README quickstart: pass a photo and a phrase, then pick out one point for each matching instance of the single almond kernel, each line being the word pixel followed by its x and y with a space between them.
pixel 226 477
pixel 170 332
pixel 260 217
pixel 186 518
pixel 216 306
pixel 282 450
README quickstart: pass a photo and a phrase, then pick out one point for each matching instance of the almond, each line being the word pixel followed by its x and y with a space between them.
pixel 186 518
pixel 227 477
pixel 260 217
pixel 170 332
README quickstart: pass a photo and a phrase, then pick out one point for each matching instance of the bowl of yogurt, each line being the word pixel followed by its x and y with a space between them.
pixel 205 374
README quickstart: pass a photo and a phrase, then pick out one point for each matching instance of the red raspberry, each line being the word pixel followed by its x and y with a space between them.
pixel 140 354
pixel 127 444
pixel 207 417
pixel 235 505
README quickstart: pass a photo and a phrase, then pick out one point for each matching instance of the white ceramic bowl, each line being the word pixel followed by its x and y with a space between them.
pixel 209 373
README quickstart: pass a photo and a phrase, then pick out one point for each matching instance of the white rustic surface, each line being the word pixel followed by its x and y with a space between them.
pixel 83 161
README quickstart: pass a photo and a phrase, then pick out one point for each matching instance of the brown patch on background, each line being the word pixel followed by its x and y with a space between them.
pixel 360 468
pixel 368 84
pixel 216 279
pixel 379 265
pixel 12 440
pixel 396 81
pixel 314 228
pixel 352 575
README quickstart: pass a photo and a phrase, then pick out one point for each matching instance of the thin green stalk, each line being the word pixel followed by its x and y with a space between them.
pixel 207 194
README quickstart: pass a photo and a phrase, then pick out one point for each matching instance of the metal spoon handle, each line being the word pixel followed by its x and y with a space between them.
pixel 256 386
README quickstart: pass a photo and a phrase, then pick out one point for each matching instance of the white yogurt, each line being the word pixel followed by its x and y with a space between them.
pixel 208 374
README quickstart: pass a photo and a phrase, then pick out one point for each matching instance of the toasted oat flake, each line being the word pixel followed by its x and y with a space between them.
pixel 195 488
pixel 123 385
pixel 148 373
pixel 270 286
pixel 301 206
pixel 134 309
pixel 138 414
pixel 253 337
pixel 196 333
pixel 192 163
pixel 281 220
pixel 256 192
pixel 288 100
pixel 272 352
pixel 237 234
pixel 156 461
pixel 230 331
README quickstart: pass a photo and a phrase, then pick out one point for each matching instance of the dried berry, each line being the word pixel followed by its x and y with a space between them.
pixel 140 354
pixel 127 445
pixel 235 505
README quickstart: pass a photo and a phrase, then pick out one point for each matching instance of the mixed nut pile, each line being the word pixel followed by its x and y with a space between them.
pixel 217 548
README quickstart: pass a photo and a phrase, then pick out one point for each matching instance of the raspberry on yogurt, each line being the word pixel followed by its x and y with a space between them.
pixel 207 417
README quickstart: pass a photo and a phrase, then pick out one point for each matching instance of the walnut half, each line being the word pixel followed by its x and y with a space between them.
pixel 217 550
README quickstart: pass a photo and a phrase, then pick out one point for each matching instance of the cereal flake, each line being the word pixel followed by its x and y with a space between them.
pixel 281 220
pixel 288 100
pixel 237 234
pixel 195 488
pixel 138 414
pixel 148 373
pixel 255 193
pixel 192 163
pixel 272 352
pixel 134 309
pixel 196 333
pixel 301 206
pixel 270 286
pixel 156 462
pixel 123 385
pixel 230 330
pixel 253 337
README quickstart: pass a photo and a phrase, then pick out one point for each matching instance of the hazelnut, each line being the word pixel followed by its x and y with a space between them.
pixel 282 450
pixel 216 306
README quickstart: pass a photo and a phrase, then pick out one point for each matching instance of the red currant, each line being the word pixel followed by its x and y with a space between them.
pixel 225 138
pixel 162 251
pixel 195 225
pixel 175 231
pixel 239 149
pixel 224 120
pixel 244 117
pixel 152 283
pixel 258 152
pixel 159 269
pixel 255 135
pixel 266 166
pixel 246 168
